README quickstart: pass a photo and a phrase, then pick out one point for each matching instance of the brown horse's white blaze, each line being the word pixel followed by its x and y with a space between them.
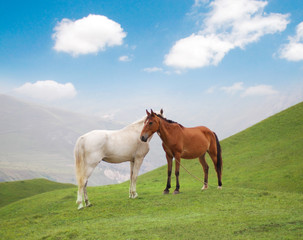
pixel 187 143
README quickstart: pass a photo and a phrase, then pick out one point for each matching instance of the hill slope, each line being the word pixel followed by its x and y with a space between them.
pixel 268 155
pixel 14 191
pixel 256 201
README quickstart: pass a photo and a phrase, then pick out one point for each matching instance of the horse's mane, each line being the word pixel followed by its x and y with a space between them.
pixel 141 120
pixel 169 121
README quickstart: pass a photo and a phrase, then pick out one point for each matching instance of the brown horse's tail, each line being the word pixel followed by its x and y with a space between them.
pixel 219 157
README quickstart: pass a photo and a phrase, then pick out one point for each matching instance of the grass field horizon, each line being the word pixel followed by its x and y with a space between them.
pixel 261 198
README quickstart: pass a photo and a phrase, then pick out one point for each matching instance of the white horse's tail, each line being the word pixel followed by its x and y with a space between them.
pixel 79 161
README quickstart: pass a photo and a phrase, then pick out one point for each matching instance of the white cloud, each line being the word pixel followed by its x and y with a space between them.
pixel 197 51
pixel 153 69
pixel 211 90
pixel 198 3
pixel 125 59
pixel 293 51
pixel 260 90
pixel 90 34
pixel 229 25
pixel 47 90
pixel 234 88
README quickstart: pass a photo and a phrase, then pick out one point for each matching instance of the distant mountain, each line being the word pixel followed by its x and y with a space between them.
pixel 37 141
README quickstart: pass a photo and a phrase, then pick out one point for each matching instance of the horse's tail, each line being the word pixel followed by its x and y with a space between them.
pixel 219 156
pixel 79 161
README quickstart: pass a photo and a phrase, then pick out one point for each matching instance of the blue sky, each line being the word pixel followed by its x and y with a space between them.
pixel 213 63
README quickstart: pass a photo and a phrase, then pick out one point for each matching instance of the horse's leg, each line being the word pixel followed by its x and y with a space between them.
pixel 82 191
pixel 213 156
pixel 131 177
pixel 89 170
pixel 205 169
pixel 80 194
pixel 136 168
pixel 177 170
pixel 82 182
pixel 169 169
pixel 87 203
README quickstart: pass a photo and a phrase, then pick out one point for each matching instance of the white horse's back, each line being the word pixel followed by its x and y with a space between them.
pixel 113 146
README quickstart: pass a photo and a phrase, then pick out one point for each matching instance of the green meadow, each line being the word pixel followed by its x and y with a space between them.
pixel 14 191
pixel 262 196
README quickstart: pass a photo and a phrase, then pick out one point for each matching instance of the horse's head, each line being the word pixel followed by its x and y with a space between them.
pixel 151 125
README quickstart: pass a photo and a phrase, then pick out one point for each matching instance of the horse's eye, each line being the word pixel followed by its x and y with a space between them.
pixel 150 123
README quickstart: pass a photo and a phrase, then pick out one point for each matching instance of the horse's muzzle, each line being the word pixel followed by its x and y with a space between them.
pixel 143 138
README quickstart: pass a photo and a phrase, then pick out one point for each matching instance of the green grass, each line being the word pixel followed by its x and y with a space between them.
pixel 262 197
pixel 227 214
pixel 268 155
pixel 14 191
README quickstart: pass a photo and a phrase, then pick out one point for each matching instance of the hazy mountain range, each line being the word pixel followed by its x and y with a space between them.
pixel 38 141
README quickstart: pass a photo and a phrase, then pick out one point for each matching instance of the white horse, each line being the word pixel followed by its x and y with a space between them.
pixel 113 146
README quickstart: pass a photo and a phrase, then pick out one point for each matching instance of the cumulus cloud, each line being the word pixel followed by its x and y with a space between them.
pixel 90 34
pixel 197 51
pixel 124 58
pixel 211 89
pixel 260 90
pixel 234 88
pixel 47 90
pixel 229 25
pixel 293 51
pixel 153 69
pixel 198 3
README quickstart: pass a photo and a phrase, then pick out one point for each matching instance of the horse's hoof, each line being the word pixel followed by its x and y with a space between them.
pixel 176 192
pixel 166 192
pixel 80 206
pixel 220 187
pixel 88 204
pixel 133 195
pixel 204 188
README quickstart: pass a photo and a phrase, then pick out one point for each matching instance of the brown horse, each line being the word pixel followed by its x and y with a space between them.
pixel 181 142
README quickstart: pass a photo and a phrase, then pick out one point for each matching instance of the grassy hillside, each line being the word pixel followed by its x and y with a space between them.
pixel 14 191
pixel 261 197
pixel 268 155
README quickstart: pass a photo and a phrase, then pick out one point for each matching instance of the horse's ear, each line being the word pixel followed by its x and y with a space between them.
pixel 147 113
pixel 161 111
pixel 152 112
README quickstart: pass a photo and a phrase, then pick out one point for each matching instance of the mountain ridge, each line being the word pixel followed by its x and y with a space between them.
pixel 38 142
